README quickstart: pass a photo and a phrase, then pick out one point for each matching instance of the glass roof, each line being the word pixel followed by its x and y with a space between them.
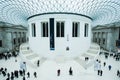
pixel 101 11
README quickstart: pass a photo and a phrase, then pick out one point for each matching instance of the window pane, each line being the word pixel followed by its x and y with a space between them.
pixel 47 29
pixel 86 30
pixel 58 29
pixel 14 41
pixel 62 29
pixel 33 30
pixel 76 27
pixel 0 43
pixel 43 29
pixel 72 29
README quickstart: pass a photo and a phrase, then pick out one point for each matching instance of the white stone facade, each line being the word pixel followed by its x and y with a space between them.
pixel 63 45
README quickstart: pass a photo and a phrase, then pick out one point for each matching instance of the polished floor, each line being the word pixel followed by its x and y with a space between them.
pixel 48 70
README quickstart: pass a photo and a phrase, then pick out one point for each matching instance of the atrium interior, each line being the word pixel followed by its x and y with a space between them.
pixel 59 39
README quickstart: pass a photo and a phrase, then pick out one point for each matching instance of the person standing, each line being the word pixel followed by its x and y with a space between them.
pixel 58 72
pixel 24 66
pixel 101 72
pixel 35 74
pixel 118 72
pixel 24 78
pixel 38 62
pixel 109 67
pixel 28 74
pixel 99 67
pixel 104 64
pixel 70 71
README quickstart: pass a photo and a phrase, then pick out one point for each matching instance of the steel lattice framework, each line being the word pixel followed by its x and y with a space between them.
pixel 101 11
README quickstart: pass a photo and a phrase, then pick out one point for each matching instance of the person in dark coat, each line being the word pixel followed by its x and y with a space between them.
pixel 28 74
pixel 35 74
pixel 101 72
pixel 104 64
pixel 24 72
pixel 21 72
pixel 12 77
pixel 16 73
pixel 8 74
pixel 24 78
pixel 4 73
pixel 12 74
pixel 5 69
pixel 118 72
pixel 70 71
pixel 38 63
pixel 109 67
pixel 58 72
pixel 8 78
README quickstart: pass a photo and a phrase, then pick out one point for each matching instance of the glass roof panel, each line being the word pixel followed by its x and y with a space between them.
pixel 101 11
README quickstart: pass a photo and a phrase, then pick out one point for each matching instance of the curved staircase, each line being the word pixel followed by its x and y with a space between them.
pixel 92 53
pixel 31 57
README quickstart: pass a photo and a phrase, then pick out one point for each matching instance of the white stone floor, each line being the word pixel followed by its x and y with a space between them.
pixel 48 70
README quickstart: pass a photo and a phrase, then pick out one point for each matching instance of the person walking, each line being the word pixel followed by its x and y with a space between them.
pixel 109 67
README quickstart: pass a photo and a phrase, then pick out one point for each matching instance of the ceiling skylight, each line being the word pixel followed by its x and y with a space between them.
pixel 101 11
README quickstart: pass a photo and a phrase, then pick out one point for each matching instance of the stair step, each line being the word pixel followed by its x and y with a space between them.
pixel 41 60
pixel 88 55
pixel 92 51
pixel 94 47
pixel 27 54
pixel 30 57
pixel 80 61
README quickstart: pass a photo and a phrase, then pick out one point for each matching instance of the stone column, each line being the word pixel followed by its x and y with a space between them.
pixel 20 38
pixel 12 40
pixel 16 38
pixel 98 37
pixel 93 37
pixel 102 39
pixel 109 37
pixel 8 39
pixel 24 36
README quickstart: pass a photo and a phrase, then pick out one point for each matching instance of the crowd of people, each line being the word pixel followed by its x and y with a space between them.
pixel 9 54
pixel 15 74
pixel 26 74
pixel 116 57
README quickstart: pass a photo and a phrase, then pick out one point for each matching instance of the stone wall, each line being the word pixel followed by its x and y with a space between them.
pixel 12 36
pixel 106 36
